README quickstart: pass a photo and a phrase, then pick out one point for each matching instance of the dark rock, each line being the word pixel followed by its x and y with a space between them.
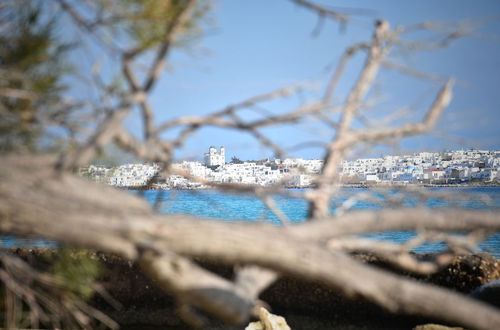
pixel 303 304
pixel 465 273
pixel 489 292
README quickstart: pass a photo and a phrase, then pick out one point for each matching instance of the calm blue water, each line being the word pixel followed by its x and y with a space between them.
pixel 230 207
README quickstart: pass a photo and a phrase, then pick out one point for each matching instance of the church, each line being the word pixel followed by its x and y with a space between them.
pixel 214 158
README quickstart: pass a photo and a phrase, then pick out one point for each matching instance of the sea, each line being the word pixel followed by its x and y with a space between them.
pixel 213 205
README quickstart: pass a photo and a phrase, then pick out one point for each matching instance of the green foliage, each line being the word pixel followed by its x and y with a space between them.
pixel 32 69
pixel 77 270
pixel 33 60
pixel 236 160
pixel 150 21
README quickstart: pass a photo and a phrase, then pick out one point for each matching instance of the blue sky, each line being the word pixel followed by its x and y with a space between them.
pixel 260 45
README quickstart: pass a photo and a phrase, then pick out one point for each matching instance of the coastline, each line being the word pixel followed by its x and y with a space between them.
pixel 344 185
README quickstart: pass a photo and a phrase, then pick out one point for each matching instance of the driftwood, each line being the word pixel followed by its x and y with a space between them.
pixel 37 201
pixel 40 196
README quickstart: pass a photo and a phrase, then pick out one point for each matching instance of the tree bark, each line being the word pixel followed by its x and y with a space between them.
pixel 36 201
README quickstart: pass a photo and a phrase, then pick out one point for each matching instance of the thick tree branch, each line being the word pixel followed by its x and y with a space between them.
pixel 405 219
pixel 33 202
pixel 231 302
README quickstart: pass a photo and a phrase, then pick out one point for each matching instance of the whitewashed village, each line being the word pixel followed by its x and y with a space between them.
pixel 427 168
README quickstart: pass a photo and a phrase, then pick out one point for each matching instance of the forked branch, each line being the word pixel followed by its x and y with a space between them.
pixel 134 231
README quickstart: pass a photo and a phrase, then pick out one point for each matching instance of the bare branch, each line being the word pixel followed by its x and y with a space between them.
pixel 252 280
pixel 151 149
pixel 106 131
pixel 200 288
pixel 318 200
pixel 392 253
pixel 440 103
pixel 40 201
pixel 17 93
pixel 348 54
pixel 175 28
pixel 132 227
pixel 406 219
pixel 323 11
pixel 214 117
pixel 86 25
pixel 46 296
pixel 271 205
pixel 147 111
pixel 412 72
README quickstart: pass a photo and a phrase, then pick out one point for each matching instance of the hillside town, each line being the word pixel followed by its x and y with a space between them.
pixel 427 168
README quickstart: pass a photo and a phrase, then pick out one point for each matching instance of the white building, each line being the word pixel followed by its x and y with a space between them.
pixel 214 158
pixel 372 177
pixel 300 180
pixel 132 175
pixel 424 167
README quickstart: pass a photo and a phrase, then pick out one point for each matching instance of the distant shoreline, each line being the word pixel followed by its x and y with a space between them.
pixel 345 185
pixel 444 185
